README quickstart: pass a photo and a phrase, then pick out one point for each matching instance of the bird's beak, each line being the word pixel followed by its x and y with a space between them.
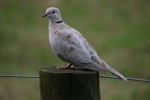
pixel 44 15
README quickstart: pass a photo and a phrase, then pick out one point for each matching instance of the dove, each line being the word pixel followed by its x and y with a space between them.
pixel 70 45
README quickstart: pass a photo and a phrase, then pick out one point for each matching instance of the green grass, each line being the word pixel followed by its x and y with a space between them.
pixel 118 30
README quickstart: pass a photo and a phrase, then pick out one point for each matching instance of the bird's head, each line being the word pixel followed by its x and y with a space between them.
pixel 53 14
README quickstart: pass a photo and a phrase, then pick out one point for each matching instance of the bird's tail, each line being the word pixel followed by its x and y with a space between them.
pixel 116 73
pixel 104 68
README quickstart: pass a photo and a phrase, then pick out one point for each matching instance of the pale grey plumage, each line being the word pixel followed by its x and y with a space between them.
pixel 69 45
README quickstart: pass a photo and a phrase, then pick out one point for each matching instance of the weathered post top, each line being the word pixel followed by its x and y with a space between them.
pixel 69 84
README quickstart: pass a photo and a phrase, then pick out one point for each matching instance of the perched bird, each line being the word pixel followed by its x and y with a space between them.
pixel 70 46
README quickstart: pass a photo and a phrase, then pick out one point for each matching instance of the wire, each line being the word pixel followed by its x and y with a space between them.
pixel 128 78
pixel 103 76
pixel 20 76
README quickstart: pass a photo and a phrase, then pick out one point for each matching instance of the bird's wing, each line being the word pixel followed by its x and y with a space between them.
pixel 72 48
pixel 96 60
pixel 93 53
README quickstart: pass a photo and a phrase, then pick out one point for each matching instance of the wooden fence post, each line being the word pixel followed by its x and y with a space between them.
pixel 67 84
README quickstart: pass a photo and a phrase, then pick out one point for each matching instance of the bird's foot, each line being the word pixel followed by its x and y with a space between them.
pixel 70 66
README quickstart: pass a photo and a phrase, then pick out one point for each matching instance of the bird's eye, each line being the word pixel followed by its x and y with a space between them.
pixel 53 12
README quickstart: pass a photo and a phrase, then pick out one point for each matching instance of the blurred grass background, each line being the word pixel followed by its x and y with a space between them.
pixel 119 31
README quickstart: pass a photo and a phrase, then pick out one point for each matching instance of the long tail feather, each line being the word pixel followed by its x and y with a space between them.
pixel 116 73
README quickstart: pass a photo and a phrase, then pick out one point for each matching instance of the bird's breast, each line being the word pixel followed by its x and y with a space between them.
pixel 59 43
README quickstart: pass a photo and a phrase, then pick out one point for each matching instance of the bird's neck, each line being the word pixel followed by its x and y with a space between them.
pixel 58 22
pixel 53 24
pixel 55 19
